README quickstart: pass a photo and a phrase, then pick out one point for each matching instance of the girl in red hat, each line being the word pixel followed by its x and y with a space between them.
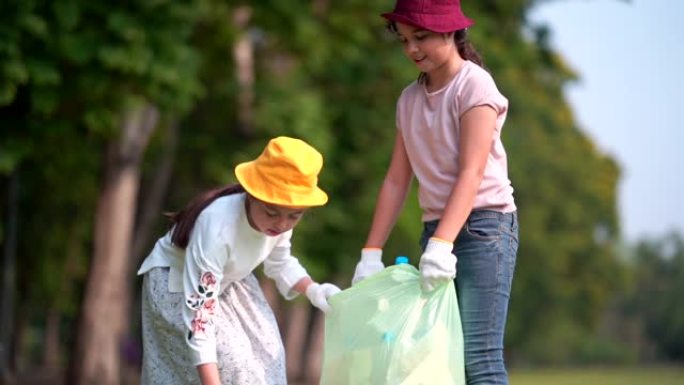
pixel 204 317
pixel 449 124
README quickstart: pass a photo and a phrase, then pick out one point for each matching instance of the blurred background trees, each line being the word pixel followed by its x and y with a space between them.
pixel 111 114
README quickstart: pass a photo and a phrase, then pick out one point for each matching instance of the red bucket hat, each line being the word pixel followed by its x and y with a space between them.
pixel 434 15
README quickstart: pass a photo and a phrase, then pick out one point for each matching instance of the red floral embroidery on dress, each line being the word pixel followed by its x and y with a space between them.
pixel 208 279
pixel 203 303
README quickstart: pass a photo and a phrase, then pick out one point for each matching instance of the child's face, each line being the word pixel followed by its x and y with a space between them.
pixel 428 50
pixel 271 219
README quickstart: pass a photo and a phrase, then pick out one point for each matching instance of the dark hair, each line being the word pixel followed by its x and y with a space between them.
pixel 184 220
pixel 466 49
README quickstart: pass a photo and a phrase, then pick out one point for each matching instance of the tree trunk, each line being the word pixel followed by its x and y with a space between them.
pixel 296 331
pixel 151 207
pixel 103 313
pixel 8 279
pixel 51 346
pixel 20 358
pixel 243 56
pixel 314 356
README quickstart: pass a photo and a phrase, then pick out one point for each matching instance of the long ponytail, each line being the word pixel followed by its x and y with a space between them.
pixel 184 220
pixel 466 49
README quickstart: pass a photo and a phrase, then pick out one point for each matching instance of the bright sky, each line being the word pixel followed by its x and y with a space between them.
pixel 630 98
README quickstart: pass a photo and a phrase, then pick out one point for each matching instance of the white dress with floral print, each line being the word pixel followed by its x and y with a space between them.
pixel 204 305
pixel 248 347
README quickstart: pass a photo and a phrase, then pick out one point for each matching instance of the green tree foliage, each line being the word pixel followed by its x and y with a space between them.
pixel 70 73
pixel 654 300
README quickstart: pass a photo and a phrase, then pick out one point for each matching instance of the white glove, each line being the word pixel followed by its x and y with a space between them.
pixel 318 294
pixel 437 264
pixel 370 263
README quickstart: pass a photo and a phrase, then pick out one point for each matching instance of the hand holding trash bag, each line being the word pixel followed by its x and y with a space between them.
pixel 437 264
pixel 370 263
pixel 386 330
pixel 318 294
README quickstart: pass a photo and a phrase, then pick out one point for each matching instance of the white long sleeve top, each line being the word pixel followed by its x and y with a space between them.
pixel 223 248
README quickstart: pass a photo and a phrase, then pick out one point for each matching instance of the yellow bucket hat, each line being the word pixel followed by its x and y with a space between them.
pixel 286 174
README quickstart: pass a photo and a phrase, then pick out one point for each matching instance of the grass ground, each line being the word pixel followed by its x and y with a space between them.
pixel 579 376
pixel 599 376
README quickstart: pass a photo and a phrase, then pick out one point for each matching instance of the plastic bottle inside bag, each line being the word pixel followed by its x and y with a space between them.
pixel 383 303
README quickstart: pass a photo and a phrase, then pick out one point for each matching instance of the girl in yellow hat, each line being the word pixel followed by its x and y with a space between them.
pixel 204 317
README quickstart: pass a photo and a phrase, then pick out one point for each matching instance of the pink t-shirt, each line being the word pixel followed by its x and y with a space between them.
pixel 429 123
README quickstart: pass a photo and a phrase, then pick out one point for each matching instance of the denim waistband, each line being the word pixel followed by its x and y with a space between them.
pixel 507 218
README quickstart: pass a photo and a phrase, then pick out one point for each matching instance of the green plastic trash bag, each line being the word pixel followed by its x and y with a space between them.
pixel 386 331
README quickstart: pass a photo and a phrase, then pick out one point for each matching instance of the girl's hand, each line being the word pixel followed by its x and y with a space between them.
pixel 318 294
pixel 370 263
pixel 437 264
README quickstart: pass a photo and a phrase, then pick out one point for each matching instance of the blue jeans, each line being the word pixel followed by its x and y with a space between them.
pixel 486 250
